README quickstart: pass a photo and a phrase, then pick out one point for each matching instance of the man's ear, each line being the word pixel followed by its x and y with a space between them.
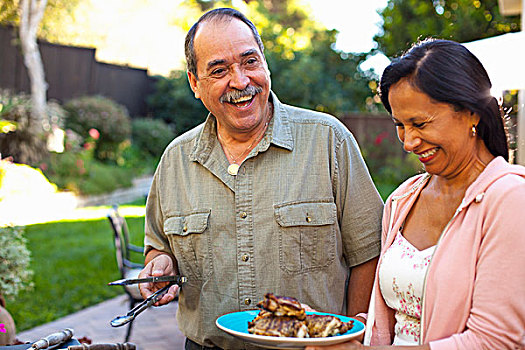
pixel 192 79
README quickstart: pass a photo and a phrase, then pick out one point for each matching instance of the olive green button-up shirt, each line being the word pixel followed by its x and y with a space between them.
pixel 301 211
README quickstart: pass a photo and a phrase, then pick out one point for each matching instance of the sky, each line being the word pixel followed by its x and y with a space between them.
pixel 159 46
pixel 357 22
pixel 355 17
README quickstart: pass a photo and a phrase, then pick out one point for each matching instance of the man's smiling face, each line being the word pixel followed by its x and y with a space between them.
pixel 233 80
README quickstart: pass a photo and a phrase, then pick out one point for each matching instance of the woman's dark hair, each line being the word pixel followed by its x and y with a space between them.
pixel 448 72
pixel 216 14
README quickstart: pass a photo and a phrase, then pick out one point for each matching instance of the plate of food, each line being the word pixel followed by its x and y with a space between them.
pixel 282 323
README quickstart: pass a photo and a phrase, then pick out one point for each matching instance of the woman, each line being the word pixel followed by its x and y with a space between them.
pixel 452 268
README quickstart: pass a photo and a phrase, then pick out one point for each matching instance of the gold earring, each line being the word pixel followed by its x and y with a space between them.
pixel 474 130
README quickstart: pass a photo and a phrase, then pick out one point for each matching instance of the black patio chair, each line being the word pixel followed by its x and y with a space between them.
pixel 127 267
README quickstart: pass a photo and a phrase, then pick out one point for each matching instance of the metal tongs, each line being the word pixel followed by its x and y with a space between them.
pixel 152 299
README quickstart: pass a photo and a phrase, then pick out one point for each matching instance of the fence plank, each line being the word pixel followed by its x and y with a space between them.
pixel 73 72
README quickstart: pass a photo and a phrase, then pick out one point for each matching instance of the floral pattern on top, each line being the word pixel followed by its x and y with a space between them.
pixel 408 251
pixel 401 276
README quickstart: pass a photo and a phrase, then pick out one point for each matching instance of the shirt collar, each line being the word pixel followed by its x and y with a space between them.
pixel 279 133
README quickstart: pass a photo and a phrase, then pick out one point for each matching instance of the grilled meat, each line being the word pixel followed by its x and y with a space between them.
pixel 282 306
pixel 326 325
pixel 278 326
pixel 285 317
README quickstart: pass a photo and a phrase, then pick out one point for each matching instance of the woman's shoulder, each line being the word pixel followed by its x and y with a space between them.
pixel 408 186
pixel 501 178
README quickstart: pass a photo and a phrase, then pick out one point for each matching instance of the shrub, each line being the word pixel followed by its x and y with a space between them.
pixel 151 135
pixel 174 102
pixel 18 138
pixel 15 274
pixel 389 166
pixel 110 119
pixel 80 173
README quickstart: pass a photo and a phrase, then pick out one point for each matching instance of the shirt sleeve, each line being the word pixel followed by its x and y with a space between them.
pixel 359 204
pixel 154 237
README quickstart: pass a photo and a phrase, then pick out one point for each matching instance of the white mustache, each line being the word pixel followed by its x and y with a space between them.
pixel 230 96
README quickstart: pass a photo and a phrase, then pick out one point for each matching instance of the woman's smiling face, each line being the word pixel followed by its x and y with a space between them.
pixel 438 134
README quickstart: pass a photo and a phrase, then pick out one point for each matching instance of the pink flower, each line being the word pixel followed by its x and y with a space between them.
pixel 94 133
pixel 43 166
pixel 2 328
pixel 80 166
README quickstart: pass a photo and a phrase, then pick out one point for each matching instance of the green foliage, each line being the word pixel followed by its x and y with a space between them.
pixel 7 126
pixel 81 173
pixel 174 102
pixel 306 70
pixel 138 161
pixel 73 262
pixel 109 118
pixel 326 81
pixel 389 166
pixel 22 141
pixel 406 21
pixel 15 274
pixel 151 135
pixel 9 11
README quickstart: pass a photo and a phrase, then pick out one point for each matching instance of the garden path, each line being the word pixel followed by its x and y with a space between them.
pixel 154 329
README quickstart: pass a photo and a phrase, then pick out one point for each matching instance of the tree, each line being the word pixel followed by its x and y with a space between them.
pixel 31 14
pixel 306 70
pixel 406 21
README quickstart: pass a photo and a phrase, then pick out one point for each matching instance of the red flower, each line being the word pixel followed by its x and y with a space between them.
pixel 379 139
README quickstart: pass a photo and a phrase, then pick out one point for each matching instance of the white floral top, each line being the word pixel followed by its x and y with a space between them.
pixel 401 275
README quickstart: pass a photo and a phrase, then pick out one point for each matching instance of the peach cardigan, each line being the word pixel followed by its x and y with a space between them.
pixel 474 293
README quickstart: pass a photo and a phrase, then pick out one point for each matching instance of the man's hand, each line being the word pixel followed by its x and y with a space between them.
pixel 161 265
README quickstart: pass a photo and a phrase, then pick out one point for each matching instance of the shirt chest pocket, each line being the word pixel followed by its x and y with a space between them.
pixel 307 236
pixel 190 243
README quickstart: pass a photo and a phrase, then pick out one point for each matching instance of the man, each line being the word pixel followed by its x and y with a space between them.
pixel 262 197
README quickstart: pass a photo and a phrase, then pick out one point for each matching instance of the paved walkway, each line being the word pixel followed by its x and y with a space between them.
pixel 154 329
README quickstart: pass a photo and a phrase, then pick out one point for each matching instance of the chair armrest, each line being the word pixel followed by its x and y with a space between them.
pixel 132 265
pixel 136 248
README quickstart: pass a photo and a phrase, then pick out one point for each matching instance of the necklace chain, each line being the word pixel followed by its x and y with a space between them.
pixel 258 138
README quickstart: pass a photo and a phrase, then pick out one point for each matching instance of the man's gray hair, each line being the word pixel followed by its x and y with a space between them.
pixel 218 15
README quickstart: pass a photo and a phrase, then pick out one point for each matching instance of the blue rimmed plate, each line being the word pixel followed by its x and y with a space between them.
pixel 236 324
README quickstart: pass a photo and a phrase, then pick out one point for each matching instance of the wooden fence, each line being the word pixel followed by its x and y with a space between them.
pixel 374 130
pixel 74 72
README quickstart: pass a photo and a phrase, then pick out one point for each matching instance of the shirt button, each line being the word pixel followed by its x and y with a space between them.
pixel 243 215
pixel 308 219
pixel 247 301
pixel 245 257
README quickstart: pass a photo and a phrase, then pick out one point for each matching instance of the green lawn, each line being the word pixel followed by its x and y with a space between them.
pixel 72 264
